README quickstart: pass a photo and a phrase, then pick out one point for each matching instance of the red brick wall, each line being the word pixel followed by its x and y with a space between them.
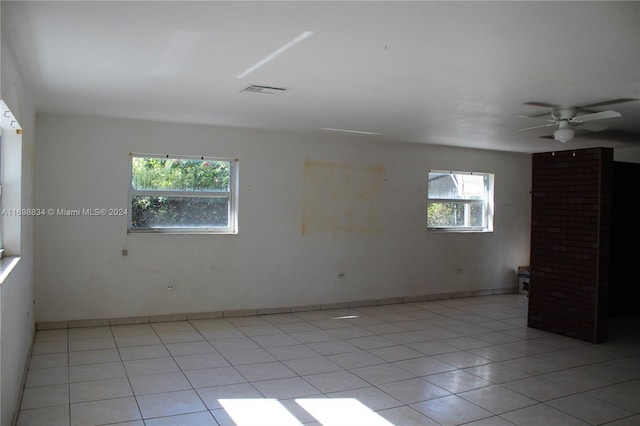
pixel 570 242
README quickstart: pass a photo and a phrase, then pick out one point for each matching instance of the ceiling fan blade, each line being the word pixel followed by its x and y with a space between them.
pixel 611 102
pixel 542 104
pixel 591 126
pixel 596 116
pixel 550 120
pixel 542 114
pixel 536 127
pixel 612 135
pixel 547 137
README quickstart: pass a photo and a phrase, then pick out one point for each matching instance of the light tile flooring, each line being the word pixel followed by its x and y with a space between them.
pixel 458 361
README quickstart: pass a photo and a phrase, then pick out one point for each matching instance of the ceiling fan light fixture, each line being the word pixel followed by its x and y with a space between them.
pixel 563 134
pixel 565 117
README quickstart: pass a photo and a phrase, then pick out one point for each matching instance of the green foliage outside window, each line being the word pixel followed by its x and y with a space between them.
pixel 185 192
pixel 180 174
pixel 443 214
pixel 448 215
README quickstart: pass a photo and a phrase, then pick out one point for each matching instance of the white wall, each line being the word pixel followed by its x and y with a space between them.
pixel 17 290
pixel 82 162
pixel 628 155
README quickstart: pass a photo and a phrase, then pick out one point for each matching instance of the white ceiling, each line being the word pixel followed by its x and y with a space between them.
pixel 451 73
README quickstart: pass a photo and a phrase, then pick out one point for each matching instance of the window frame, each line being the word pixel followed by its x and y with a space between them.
pixel 487 203
pixel 1 189
pixel 231 195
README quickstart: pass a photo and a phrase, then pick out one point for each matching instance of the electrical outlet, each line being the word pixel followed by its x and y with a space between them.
pixel 171 287
pixel 341 275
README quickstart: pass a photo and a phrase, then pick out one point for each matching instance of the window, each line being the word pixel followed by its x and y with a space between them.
pixel 460 201
pixel 13 212
pixel 183 194
pixel 1 182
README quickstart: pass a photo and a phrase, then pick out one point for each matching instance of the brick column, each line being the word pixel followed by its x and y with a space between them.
pixel 570 242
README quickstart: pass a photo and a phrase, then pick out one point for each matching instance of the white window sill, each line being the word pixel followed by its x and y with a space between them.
pixel 7 263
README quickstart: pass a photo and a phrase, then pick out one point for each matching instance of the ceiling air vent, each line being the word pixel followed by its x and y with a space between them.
pixel 265 89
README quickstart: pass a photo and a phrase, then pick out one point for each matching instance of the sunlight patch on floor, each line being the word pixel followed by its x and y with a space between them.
pixel 255 411
pixel 342 411
pixel 328 412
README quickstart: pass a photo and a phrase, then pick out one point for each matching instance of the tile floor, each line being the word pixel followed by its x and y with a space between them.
pixel 466 361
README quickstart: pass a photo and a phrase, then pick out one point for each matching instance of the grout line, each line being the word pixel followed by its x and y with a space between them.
pixel 69 374
pixel 550 346
pixel 126 373
pixel 50 325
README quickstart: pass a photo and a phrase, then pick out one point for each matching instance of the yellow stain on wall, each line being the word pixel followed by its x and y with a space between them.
pixel 341 198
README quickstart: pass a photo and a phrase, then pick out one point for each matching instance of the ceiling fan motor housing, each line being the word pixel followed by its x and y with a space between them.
pixel 564 113
pixel 565 118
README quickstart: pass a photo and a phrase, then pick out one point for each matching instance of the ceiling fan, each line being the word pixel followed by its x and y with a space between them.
pixel 566 117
